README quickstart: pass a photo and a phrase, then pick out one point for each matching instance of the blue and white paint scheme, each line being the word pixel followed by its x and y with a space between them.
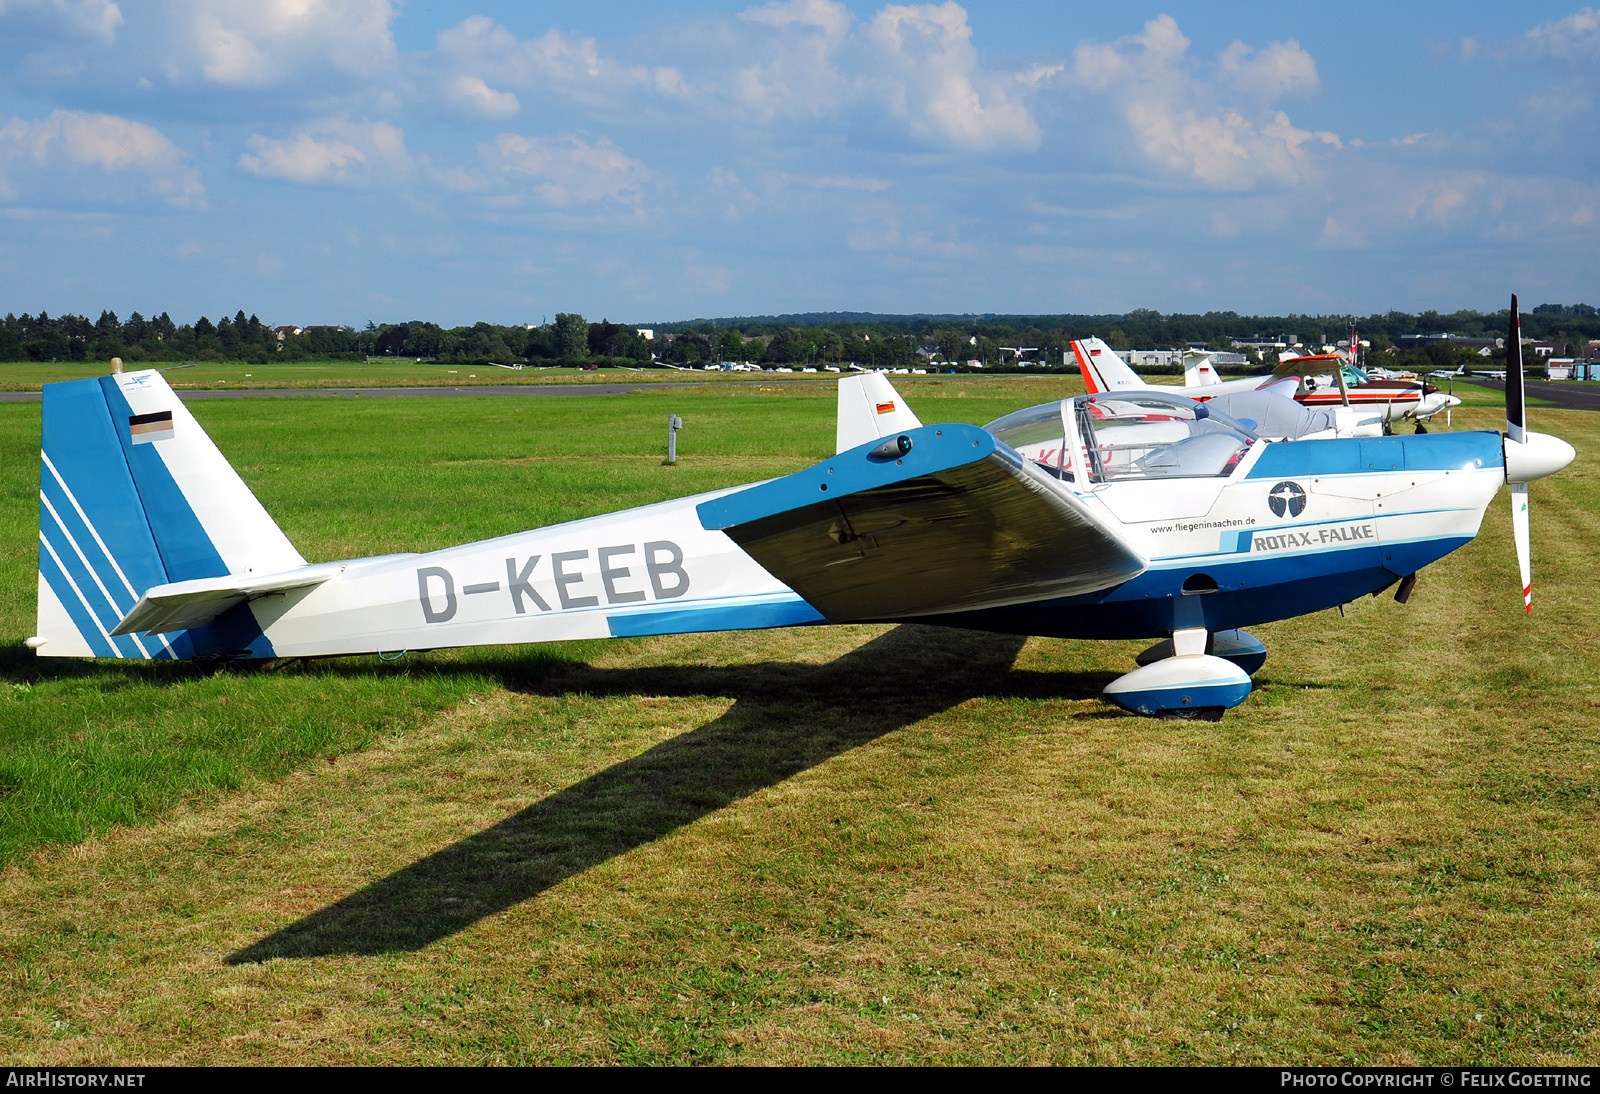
pixel 1114 515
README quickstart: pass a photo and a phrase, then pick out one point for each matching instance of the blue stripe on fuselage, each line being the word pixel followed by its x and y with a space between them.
pixel 1249 591
pixel 1469 451
pixel 731 617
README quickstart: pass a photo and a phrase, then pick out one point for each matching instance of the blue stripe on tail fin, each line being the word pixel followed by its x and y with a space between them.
pixel 186 551
pixel 97 550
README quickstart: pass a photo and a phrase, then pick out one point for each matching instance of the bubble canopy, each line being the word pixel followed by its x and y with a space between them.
pixel 1128 435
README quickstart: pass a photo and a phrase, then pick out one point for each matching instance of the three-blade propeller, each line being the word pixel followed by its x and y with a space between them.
pixel 1529 455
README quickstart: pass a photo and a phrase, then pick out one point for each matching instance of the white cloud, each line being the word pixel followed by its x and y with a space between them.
pixel 1182 120
pixel 832 19
pixel 569 65
pixel 934 82
pixel 566 170
pixel 793 74
pixel 1339 235
pixel 69 139
pixel 257 43
pixel 473 96
pixel 915 61
pixel 1575 37
pixel 1279 70
pixel 98 19
pixel 332 150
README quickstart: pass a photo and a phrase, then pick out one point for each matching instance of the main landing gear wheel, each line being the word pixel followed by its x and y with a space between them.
pixel 1192 714
pixel 1191 684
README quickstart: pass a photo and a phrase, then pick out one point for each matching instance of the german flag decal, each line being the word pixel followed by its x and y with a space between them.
pixel 151 427
pixel 883 408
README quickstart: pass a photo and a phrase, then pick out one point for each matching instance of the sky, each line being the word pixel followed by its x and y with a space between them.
pixel 345 161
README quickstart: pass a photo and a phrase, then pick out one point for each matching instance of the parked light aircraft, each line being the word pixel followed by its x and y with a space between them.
pixel 1346 384
pixel 1388 400
pixel 1104 371
pixel 1111 515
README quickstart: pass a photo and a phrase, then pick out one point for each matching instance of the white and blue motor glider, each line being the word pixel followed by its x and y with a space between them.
pixel 1116 515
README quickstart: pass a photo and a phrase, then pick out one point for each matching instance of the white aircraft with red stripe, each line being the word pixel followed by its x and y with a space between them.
pixel 1398 399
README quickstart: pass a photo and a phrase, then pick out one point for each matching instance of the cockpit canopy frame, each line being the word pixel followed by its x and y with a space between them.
pixel 1123 436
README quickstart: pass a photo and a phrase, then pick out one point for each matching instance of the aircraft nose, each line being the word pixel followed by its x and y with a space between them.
pixel 1539 455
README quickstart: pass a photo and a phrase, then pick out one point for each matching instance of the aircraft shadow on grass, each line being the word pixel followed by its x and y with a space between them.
pixel 786 718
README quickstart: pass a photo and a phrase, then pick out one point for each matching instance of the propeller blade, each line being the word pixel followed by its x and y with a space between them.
pixel 1515 413
pixel 1519 532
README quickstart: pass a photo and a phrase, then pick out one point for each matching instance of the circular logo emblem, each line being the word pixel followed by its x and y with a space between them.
pixel 1287 498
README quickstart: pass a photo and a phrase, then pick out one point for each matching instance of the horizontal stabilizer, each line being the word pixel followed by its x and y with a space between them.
pixel 957 521
pixel 184 604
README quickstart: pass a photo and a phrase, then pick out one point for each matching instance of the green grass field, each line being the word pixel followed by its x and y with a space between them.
pixel 823 845
pixel 29 376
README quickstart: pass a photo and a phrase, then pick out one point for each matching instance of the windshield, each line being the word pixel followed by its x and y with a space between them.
pixel 1146 435
pixel 1037 433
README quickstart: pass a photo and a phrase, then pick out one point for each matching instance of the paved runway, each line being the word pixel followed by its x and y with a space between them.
pixel 427 392
pixel 1569 396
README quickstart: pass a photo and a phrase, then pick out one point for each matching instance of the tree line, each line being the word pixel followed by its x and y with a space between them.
pixel 807 339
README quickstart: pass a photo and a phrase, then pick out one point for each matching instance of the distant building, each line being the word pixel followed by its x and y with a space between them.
pixel 1154 358
pixel 1167 358
pixel 1423 341
pixel 647 333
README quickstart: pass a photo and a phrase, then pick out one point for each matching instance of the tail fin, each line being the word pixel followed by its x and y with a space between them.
pixel 1285 386
pixel 133 494
pixel 1198 370
pixel 869 408
pixel 1103 370
pixel 1288 365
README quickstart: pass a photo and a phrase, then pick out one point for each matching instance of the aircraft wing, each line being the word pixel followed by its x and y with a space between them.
pixel 184 604
pixel 955 522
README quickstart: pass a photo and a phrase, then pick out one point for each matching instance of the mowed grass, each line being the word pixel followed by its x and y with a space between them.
pixel 823 845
